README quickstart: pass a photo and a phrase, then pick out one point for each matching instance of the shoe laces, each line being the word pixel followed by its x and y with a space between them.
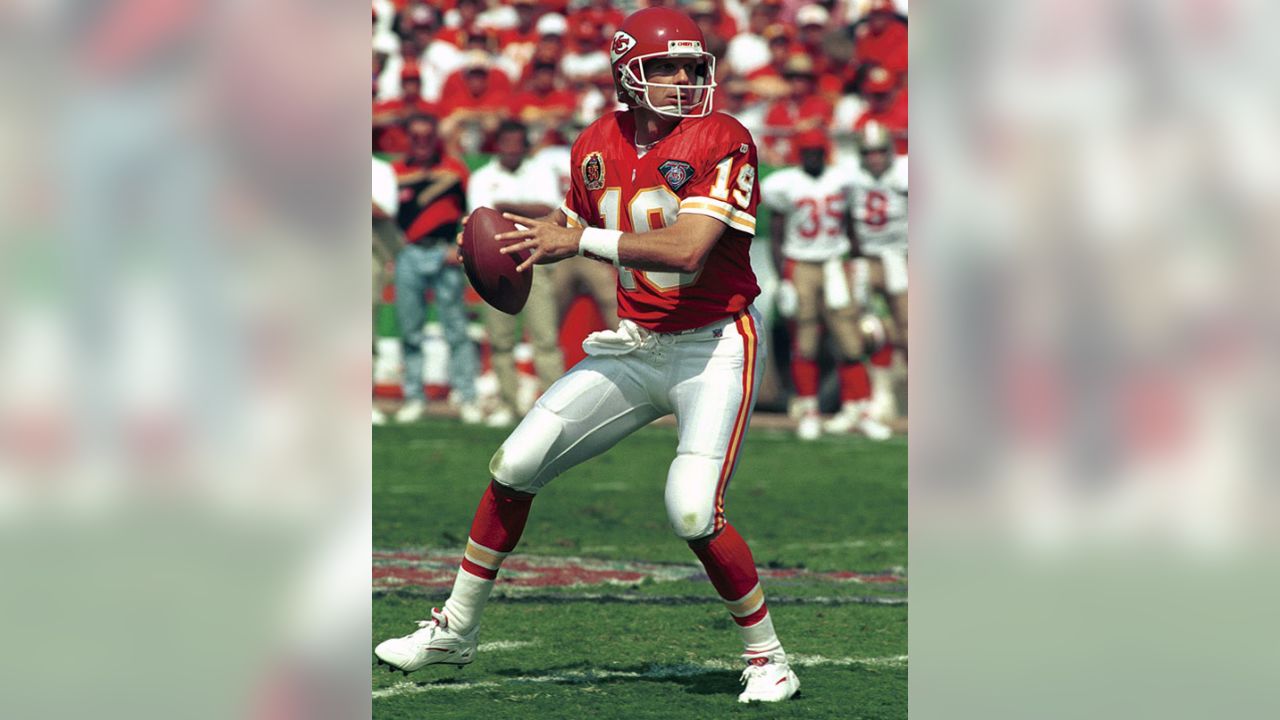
pixel 755 668
pixel 438 621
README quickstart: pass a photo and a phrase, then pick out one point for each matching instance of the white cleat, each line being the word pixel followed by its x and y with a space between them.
pixel 432 644
pixel 768 679
pixel 500 418
pixel 470 413
pixel 379 417
pixel 809 427
pixel 857 418
pixel 412 411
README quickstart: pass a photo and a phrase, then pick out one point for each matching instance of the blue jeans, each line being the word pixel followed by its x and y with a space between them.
pixel 419 269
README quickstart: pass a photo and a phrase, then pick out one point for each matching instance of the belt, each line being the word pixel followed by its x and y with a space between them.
pixel 713 330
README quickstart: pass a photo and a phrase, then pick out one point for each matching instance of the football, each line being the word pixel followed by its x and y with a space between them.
pixel 493 274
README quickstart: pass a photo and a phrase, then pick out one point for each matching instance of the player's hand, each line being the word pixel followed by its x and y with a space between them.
pixel 452 256
pixel 788 299
pixel 548 241
pixel 458 240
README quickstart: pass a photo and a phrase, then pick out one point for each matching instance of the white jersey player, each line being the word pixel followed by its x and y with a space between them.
pixel 878 204
pixel 809 228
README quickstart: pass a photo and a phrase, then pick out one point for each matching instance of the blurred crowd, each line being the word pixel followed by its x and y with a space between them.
pixel 783 66
pixel 457 81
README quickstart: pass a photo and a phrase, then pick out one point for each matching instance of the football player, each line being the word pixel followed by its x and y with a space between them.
pixel 812 246
pixel 878 199
pixel 665 191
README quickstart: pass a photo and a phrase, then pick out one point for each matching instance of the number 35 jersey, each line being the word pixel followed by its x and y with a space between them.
pixel 814 208
pixel 705 166
pixel 879 207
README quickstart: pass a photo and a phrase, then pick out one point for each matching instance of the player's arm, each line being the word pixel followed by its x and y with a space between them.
pixel 682 248
pixel 777 236
pixel 851 229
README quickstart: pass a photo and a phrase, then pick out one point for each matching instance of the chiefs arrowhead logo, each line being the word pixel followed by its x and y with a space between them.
pixel 622 43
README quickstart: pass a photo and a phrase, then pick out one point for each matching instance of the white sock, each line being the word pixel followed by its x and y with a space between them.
pixel 760 638
pixel 466 602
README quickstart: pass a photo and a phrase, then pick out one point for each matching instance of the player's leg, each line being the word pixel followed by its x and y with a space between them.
pixel 501 329
pixel 713 398
pixel 413 265
pixel 543 321
pixel 464 359
pixel 806 341
pixel 855 382
pixel 596 404
pixel 895 284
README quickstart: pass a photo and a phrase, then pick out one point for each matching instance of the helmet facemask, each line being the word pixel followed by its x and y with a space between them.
pixel 632 82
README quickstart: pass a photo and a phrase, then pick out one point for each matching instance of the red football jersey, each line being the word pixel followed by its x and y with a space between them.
pixel 705 166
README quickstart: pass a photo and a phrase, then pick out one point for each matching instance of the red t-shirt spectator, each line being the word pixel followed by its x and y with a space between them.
pixel 556 100
pixel 388 135
pixel 787 116
pixel 893 118
pixel 607 20
pixel 887 48
pixel 456 95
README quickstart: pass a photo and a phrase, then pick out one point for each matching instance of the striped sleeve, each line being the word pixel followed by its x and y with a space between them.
pixel 728 214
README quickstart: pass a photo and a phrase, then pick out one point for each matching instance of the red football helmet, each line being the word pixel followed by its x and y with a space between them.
pixel 661 32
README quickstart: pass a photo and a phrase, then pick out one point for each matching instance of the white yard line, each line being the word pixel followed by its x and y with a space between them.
pixel 656 673
pixel 504 645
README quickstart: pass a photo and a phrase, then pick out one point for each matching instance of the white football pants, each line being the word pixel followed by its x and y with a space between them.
pixel 708 377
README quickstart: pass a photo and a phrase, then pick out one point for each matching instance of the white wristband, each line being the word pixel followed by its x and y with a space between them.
pixel 600 244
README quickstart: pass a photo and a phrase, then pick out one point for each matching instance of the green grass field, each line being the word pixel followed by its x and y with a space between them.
pixel 603 613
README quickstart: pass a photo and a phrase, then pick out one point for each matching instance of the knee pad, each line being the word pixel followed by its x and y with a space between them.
pixel 691 495
pixel 519 463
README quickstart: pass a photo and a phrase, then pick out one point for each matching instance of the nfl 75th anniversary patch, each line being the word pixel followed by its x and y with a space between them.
pixel 677 173
pixel 593 171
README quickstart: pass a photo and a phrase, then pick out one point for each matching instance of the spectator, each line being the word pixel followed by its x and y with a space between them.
pixel 432 196
pixel 735 98
pixel 550 46
pixel 812 23
pixel 517 43
pixel 598 14
pixel 462 19
pixel 781 46
pixel 887 105
pixel 710 20
pixel 486 41
pixel 421 46
pixel 880 38
pixel 542 102
pixel 475 101
pixel 512 183
pixel 802 109
pixel 586 57
pixel 389 116
pixel 749 51
pixel 387 238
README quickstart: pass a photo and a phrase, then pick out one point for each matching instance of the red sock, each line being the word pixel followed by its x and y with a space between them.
pixel 804 374
pixel 732 570
pixel 883 357
pixel 855 384
pixel 496 529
